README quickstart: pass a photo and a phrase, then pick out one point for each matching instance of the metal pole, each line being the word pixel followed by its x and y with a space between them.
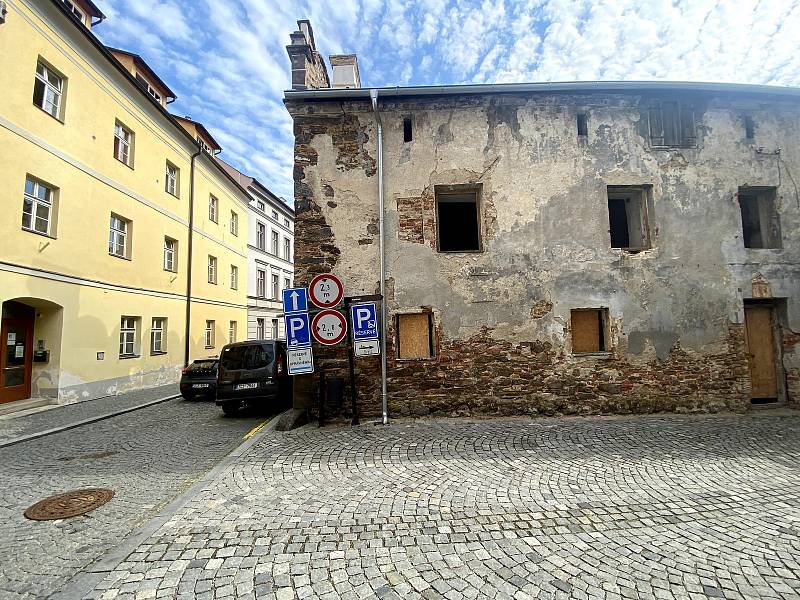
pixel 351 361
pixel 384 396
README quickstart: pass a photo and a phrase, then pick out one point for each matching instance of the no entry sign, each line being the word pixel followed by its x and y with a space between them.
pixel 329 327
pixel 326 290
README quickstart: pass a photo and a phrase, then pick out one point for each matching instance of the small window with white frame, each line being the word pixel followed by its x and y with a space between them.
pixel 274 329
pixel 234 277
pixel 213 209
pixel 48 90
pixel 129 337
pixel 260 330
pixel 261 283
pixel 171 185
pixel 287 248
pixel 286 223
pixel 212 269
pixel 119 237
pixel 158 343
pixel 203 146
pixel 234 223
pixel 275 215
pixel 123 144
pixel 261 236
pixel 232 326
pixel 210 334
pixel 287 283
pixel 276 292
pixel 170 255
pixel 275 243
pixel 38 212
pixel 76 12
pixel 261 206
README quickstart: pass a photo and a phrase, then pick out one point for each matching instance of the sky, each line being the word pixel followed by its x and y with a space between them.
pixel 226 59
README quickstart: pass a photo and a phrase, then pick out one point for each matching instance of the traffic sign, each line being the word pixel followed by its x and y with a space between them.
pixel 329 327
pixel 295 300
pixel 301 361
pixel 326 290
pixel 368 348
pixel 364 318
pixel 297 331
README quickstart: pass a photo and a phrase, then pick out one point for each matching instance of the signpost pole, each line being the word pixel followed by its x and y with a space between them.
pixel 351 361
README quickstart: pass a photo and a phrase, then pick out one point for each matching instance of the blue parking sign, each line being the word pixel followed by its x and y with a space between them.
pixel 364 317
pixel 298 332
pixel 295 300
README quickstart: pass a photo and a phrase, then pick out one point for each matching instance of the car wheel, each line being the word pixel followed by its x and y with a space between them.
pixel 231 409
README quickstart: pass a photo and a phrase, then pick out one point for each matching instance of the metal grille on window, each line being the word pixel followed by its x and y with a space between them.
pixel 117 236
pixel 37 207
pixel 47 90
pixel 127 337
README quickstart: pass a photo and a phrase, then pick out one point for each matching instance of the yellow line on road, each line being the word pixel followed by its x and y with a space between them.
pixel 255 429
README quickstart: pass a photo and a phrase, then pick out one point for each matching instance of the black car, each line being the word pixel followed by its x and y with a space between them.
pixel 253 373
pixel 199 379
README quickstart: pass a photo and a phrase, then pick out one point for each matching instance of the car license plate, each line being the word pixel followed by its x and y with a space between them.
pixel 200 385
pixel 246 386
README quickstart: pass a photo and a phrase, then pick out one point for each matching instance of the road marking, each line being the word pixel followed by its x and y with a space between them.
pixel 255 429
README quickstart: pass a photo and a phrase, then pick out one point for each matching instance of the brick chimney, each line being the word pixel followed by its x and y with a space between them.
pixel 308 66
pixel 345 71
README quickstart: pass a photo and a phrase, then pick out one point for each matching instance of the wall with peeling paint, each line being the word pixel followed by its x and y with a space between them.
pixel 676 310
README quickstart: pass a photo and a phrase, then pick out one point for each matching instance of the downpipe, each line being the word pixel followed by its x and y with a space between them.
pixel 187 332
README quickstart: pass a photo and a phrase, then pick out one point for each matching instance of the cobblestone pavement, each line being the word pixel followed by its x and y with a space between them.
pixel 13 426
pixel 640 507
pixel 147 457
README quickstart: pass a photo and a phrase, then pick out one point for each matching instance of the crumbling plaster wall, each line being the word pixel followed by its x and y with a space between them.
pixel 546 245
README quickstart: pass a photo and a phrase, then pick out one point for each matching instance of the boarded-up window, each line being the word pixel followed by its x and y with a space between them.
pixel 589 330
pixel 414 336
pixel 672 124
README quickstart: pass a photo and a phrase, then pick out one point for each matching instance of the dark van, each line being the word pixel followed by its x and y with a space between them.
pixel 253 373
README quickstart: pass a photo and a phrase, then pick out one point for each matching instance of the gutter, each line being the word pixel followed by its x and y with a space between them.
pixel 373 93
pixel 187 331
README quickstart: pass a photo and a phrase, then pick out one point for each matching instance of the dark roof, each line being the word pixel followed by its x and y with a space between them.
pixel 141 64
pixel 202 129
pixel 246 181
pixel 96 12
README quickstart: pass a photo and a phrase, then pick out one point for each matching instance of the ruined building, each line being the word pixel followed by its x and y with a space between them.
pixel 557 247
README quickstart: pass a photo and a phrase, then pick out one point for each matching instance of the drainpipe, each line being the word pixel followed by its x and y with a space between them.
pixel 373 93
pixel 187 332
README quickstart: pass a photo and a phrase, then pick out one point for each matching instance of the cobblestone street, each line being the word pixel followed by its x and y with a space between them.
pixel 638 507
pixel 147 457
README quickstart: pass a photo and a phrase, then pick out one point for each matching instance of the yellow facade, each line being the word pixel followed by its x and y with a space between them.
pixel 77 289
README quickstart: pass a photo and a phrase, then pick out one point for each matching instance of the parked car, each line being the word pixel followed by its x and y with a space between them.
pixel 199 379
pixel 253 373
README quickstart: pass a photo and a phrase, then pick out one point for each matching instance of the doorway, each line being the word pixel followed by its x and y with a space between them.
pixel 16 359
pixel 763 352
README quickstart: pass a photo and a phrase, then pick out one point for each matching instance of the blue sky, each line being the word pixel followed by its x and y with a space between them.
pixel 227 62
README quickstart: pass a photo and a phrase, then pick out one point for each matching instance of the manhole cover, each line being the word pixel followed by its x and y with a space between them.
pixel 70 504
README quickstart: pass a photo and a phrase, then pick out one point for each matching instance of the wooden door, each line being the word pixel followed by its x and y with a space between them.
pixel 16 359
pixel 761 351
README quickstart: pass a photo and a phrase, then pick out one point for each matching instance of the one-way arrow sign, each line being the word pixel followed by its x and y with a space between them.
pixel 295 300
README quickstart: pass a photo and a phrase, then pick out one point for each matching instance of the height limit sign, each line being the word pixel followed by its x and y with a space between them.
pixel 326 291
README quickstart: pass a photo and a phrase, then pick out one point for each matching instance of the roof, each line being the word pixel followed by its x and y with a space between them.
pixel 202 130
pixel 141 64
pixel 246 181
pixel 570 87
pixel 94 10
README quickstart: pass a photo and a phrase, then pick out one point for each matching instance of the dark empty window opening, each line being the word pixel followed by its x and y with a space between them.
pixel 627 218
pixel 749 128
pixel 588 326
pixel 672 124
pixel 583 125
pixel 457 222
pixel 760 220
pixel 407 132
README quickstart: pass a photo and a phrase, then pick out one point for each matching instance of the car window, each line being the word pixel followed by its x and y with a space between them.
pixel 251 356
pixel 202 366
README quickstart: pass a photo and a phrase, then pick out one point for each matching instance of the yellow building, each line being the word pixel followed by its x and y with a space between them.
pixel 107 199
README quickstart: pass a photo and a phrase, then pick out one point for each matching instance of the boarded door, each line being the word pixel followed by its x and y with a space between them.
pixel 761 348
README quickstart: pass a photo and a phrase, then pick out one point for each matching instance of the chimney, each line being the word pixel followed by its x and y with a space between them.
pixel 308 66
pixel 345 71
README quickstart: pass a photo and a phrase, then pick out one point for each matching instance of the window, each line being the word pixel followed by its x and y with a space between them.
pixel 672 124
pixel 286 283
pixel 628 217
pixel 234 277
pixel 128 336
pixel 583 125
pixel 148 88
pixel 209 334
pixel 457 222
pixel 37 207
pixel 203 146
pixel 232 332
pixel 170 255
pixel 212 269
pixel 119 237
pixel 213 209
pixel 261 236
pixel 761 227
pixel 275 214
pixel 286 248
pixel 414 336
pixel 407 133
pixel 261 206
pixel 171 180
pixel 260 329
pixel 261 283
pixel 274 329
pixel 589 330
pixel 157 343
pixel 48 89
pixel 275 243
pixel 73 9
pixel 123 144
pixel 234 223
pixel 275 287
pixel 286 223
pixel 749 127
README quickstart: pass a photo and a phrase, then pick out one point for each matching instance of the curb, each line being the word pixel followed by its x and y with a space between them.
pixel 38 434
pixel 88 579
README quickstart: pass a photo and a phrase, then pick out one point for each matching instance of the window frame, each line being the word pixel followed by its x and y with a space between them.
pixel 210 334
pixel 234 277
pixel 603 333
pixel 172 253
pixel 765 205
pixel 287 248
pixel 274 240
pixel 212 269
pixel 275 329
pixel 261 236
pixel 233 326
pixel 120 142
pixel 115 234
pixel 234 223
pixel 213 209
pixel 683 115
pixel 260 328
pixel 58 93
pixel 175 179
pixel 158 332
pixel 261 283
pixel 128 335
pixel 275 287
pixel 645 210
pixel 48 202
pixel 451 194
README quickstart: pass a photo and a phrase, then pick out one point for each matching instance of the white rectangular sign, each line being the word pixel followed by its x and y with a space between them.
pixel 368 348
pixel 301 361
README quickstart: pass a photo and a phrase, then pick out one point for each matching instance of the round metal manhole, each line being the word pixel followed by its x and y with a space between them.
pixel 69 504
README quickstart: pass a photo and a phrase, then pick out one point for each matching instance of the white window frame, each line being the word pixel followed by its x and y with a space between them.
pixel 170 252
pixel 74 10
pixel 274 329
pixel 213 209
pixel 261 283
pixel 157 330
pixel 128 329
pixel 261 236
pixel 261 206
pixel 35 201
pixel 234 223
pixel 172 173
pixel 234 277
pixel 212 269
pixel 275 243
pixel 260 328
pixel 209 336
pixel 118 236
pixel 53 93
pixel 232 327
pixel 203 146
pixel 276 287
pixel 275 215
pixel 287 248
pixel 123 144
pixel 286 283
